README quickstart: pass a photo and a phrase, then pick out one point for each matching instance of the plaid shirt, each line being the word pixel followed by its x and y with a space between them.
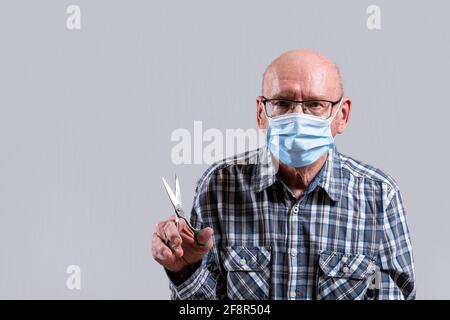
pixel 346 237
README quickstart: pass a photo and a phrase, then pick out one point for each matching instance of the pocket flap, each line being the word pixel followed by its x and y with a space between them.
pixel 246 258
pixel 346 265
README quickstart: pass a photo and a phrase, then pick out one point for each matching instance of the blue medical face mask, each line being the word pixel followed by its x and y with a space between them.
pixel 298 139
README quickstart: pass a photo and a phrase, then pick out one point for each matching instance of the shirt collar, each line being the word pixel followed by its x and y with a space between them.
pixel 329 177
pixel 265 170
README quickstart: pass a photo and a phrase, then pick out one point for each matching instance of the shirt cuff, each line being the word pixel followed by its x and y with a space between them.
pixel 191 285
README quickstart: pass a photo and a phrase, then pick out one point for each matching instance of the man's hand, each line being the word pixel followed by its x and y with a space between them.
pixel 175 249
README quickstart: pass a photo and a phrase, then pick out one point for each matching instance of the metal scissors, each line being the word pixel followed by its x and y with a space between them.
pixel 179 212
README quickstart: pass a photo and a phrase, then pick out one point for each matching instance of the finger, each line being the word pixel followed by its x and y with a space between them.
pixel 158 247
pixel 185 232
pixel 160 231
pixel 176 220
pixel 161 253
pixel 174 238
pixel 172 233
pixel 172 218
pixel 160 225
pixel 163 230
pixel 205 237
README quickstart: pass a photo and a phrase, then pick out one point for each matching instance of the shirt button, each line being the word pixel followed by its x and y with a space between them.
pixel 293 295
pixel 242 262
pixel 295 210
pixel 346 269
pixel 294 252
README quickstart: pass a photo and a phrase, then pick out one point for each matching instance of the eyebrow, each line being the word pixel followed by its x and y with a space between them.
pixel 289 95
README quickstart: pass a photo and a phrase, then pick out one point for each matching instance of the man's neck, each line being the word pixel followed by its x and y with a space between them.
pixel 298 179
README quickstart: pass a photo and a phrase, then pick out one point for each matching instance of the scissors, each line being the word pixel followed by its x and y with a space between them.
pixel 176 202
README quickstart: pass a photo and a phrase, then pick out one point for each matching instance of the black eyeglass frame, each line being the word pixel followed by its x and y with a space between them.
pixel 264 100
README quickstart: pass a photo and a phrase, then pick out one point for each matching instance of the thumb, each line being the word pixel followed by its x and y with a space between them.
pixel 205 237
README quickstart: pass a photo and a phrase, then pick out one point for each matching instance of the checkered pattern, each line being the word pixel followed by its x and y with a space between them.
pixel 345 238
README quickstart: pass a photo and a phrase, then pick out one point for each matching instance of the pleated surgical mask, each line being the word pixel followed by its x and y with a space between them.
pixel 298 140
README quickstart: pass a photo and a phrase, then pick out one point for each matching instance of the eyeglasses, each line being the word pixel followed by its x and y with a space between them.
pixel 317 108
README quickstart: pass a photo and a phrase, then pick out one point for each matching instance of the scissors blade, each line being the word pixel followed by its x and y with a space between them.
pixel 177 190
pixel 170 193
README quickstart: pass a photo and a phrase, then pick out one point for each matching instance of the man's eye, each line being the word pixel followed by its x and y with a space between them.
pixel 282 104
pixel 314 104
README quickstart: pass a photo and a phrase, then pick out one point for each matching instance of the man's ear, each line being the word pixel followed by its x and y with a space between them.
pixel 342 118
pixel 261 117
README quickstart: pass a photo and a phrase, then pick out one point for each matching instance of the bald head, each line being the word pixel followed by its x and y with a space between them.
pixel 302 75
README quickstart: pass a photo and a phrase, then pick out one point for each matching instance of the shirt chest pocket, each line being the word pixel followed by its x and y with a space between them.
pixel 248 272
pixel 344 276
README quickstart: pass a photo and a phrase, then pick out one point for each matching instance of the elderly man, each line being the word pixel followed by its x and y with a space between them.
pixel 296 219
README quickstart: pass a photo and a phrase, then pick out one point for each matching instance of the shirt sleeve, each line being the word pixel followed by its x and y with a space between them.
pixel 395 254
pixel 207 282
pixel 201 285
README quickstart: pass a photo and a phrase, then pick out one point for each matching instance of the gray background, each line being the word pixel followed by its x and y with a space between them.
pixel 86 118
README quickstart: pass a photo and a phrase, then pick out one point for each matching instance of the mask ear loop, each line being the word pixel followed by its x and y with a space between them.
pixel 337 110
pixel 330 151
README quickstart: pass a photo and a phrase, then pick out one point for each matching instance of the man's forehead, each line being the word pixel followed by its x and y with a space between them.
pixel 298 90
pixel 300 75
